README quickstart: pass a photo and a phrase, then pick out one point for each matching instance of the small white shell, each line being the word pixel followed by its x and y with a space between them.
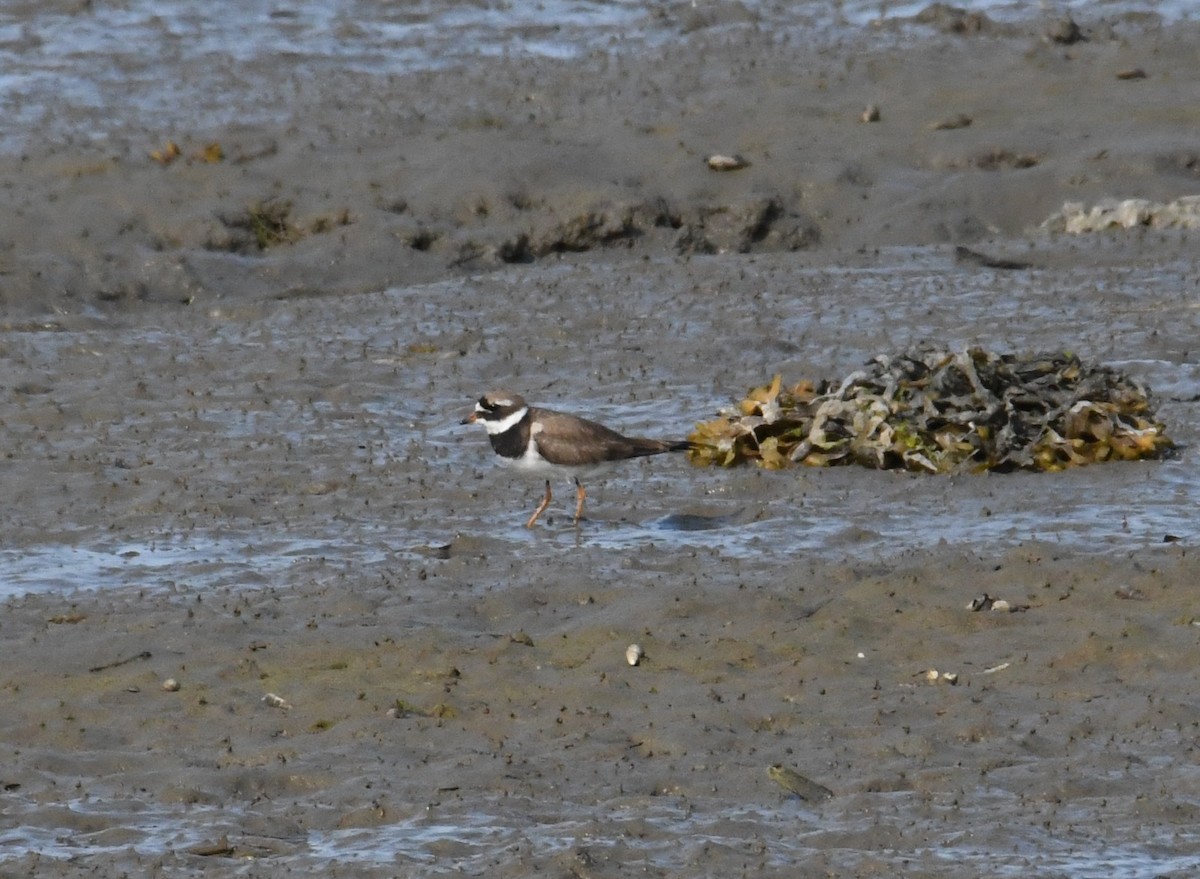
pixel 634 654
pixel 276 701
pixel 933 676
pixel 170 685
pixel 726 163
pixel 1001 605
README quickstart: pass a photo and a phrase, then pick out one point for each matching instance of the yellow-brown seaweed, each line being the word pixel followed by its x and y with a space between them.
pixel 938 411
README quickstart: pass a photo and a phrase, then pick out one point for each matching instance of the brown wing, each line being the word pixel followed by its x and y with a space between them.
pixel 575 442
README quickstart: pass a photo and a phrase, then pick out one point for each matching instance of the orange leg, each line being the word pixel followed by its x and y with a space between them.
pixel 541 507
pixel 580 494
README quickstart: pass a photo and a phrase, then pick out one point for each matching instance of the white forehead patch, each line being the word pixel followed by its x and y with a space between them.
pixel 492 404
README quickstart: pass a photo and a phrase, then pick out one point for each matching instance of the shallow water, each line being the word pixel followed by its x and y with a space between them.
pixel 78 73
pixel 661 833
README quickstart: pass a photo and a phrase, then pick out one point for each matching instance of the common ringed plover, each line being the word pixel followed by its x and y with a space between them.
pixel 531 438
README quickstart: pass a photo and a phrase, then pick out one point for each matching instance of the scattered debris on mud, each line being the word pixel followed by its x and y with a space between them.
pixel 937 411
pixel 1076 219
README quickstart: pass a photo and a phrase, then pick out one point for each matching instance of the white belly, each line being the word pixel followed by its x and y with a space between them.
pixel 532 462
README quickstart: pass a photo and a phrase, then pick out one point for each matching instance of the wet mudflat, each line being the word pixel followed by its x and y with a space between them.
pixel 300 514
pixel 261 487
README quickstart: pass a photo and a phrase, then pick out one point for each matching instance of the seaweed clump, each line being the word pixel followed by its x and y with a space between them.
pixel 937 411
